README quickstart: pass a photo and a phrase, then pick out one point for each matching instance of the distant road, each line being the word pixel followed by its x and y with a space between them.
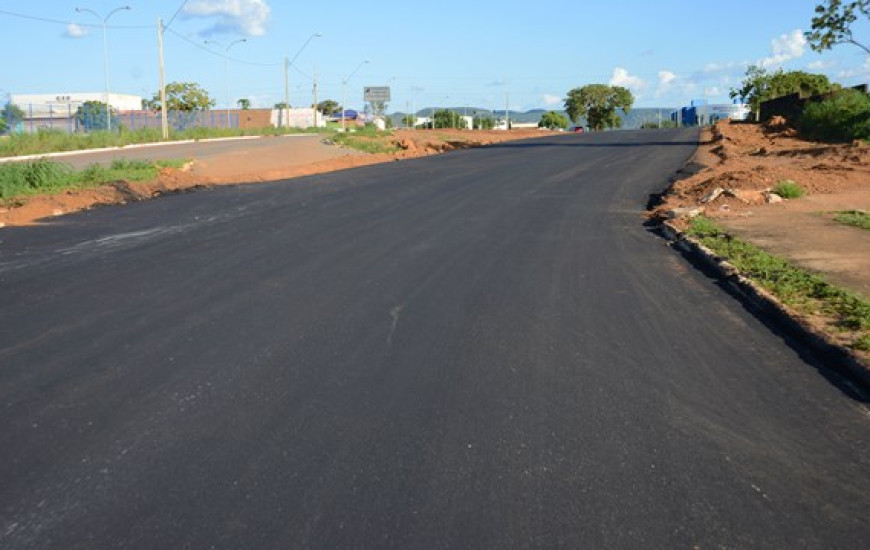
pixel 483 349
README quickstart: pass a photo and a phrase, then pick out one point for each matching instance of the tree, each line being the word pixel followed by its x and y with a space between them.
pixel 328 107
pixel 759 86
pixel 378 108
pixel 91 116
pixel 832 24
pixel 448 119
pixel 553 121
pixel 182 96
pixel 10 117
pixel 597 103
pixel 244 103
pixel 409 121
pixel 483 123
pixel 281 105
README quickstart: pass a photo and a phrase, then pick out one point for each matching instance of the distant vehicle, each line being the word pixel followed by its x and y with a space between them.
pixel 577 129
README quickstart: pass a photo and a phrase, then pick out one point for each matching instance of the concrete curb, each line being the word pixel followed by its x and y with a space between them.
pixel 132 146
pixel 837 355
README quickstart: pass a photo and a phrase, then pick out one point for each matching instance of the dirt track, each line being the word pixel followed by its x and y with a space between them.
pixel 747 160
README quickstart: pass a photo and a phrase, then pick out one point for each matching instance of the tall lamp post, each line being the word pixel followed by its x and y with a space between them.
pixel 344 92
pixel 227 68
pixel 287 65
pixel 105 55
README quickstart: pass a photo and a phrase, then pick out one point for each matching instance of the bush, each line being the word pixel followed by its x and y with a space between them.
pixel 843 116
pixel 788 189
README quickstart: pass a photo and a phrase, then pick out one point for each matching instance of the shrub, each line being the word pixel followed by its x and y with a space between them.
pixel 788 189
pixel 843 116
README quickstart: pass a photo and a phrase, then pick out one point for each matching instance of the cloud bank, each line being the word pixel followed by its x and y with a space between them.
pixel 246 17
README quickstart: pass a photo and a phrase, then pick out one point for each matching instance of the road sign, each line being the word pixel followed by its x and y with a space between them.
pixel 376 93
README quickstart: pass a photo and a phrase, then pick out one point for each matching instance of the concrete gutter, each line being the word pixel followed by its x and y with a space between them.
pixel 835 354
pixel 133 146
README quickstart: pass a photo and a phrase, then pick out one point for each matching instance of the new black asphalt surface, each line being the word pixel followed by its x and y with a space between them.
pixel 485 349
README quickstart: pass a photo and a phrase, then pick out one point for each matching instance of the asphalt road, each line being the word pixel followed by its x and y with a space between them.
pixel 485 349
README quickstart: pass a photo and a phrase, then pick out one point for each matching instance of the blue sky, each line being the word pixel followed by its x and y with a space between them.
pixel 444 54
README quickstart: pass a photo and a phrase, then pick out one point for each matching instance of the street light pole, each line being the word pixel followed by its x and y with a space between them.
pixel 105 56
pixel 287 65
pixel 344 93
pixel 227 69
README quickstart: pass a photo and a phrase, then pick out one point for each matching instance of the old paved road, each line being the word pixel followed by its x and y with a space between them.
pixel 480 350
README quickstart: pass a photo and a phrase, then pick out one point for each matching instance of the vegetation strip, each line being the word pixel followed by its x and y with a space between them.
pixel 805 292
pixel 855 218
pixel 57 141
pixel 42 176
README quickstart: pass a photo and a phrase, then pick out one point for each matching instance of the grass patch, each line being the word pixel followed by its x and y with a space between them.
pixel 21 179
pixel 788 189
pixel 54 141
pixel 367 140
pixel 806 292
pixel 856 218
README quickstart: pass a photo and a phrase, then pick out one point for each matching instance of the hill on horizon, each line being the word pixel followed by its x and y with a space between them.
pixel 634 119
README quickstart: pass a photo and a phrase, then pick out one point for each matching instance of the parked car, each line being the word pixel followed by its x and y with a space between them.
pixel 577 129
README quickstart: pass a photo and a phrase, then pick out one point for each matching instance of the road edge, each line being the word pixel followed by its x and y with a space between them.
pixel 837 355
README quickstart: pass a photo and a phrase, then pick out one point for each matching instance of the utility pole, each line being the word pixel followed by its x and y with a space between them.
pixel 285 112
pixel 105 56
pixel 314 105
pixel 164 120
pixel 507 116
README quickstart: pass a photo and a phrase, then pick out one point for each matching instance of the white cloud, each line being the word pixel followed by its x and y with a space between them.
pixel 552 99
pixel 666 81
pixel 666 78
pixel 75 31
pixel 862 71
pixel 622 78
pixel 248 17
pixel 820 65
pixel 785 48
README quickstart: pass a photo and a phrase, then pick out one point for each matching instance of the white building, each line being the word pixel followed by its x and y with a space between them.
pixel 57 111
pixel 43 104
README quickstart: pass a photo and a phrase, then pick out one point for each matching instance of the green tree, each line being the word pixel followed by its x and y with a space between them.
pixel 483 122
pixel 597 103
pixel 91 116
pixel 181 96
pixel 446 118
pixel 328 107
pixel 553 121
pixel 759 86
pixel 281 105
pixel 10 117
pixel 244 103
pixel 832 24
pixel 378 108
pixel 409 121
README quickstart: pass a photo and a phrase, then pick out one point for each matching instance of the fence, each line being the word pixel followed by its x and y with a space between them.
pixel 73 118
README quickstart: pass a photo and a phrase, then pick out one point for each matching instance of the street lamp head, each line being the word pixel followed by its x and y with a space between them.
pixel 318 34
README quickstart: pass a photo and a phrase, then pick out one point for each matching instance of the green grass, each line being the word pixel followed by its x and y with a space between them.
pixel 856 218
pixel 806 292
pixel 788 189
pixel 22 179
pixel 53 141
pixel 367 140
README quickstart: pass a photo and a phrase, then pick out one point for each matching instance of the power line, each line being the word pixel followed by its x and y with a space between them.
pixel 166 27
pixel 59 22
pixel 222 56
